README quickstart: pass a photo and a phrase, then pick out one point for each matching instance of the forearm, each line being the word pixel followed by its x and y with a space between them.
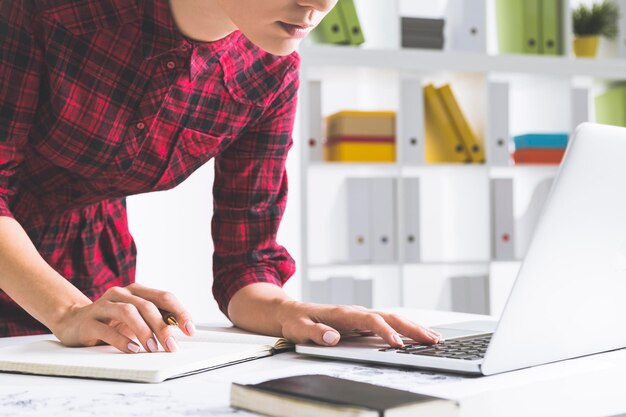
pixel 30 281
pixel 257 308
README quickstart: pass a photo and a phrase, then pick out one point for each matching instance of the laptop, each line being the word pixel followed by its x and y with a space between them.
pixel 569 296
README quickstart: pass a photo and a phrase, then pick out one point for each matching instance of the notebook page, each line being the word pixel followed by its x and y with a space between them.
pixel 52 358
pixel 235 335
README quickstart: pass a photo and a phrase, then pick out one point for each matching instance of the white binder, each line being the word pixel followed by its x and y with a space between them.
pixel 470 294
pixel 581 109
pixel 410 122
pixel 503 222
pixel 382 198
pixel 359 219
pixel 411 215
pixel 314 131
pixel 363 294
pixel 525 224
pixel 467 28
pixel 621 36
pixel 342 290
pixel 498 132
pixel 317 292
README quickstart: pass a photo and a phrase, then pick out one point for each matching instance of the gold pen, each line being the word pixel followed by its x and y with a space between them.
pixel 169 318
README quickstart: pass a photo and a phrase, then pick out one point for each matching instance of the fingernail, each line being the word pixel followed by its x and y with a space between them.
pixel 134 347
pixel 330 338
pixel 152 346
pixel 191 328
pixel 172 346
pixel 398 339
pixel 434 333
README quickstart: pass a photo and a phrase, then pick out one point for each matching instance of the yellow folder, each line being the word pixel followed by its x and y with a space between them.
pixel 443 145
pixel 459 122
pixel 362 152
pixel 361 123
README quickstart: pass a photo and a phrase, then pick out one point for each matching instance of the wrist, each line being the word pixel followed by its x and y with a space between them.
pixel 260 307
pixel 64 314
pixel 285 309
pixel 290 309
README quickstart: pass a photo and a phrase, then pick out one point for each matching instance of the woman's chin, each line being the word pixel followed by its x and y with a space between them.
pixel 276 45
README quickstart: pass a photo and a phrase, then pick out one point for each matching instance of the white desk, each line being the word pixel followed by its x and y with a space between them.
pixel 591 386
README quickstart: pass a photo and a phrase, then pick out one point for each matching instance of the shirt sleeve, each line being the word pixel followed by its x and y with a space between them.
pixel 249 199
pixel 20 68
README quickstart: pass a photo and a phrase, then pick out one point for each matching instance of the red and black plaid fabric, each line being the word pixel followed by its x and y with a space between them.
pixel 101 99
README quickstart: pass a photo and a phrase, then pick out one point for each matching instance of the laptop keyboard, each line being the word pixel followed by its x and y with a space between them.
pixel 466 348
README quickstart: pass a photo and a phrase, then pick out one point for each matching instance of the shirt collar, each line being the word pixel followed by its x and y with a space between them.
pixel 206 53
pixel 161 35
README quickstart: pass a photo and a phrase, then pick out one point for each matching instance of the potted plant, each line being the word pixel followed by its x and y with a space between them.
pixel 592 22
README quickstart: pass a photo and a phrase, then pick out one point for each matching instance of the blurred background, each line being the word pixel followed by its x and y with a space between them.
pixel 426 141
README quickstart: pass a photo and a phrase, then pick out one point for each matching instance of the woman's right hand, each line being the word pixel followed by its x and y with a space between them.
pixel 125 317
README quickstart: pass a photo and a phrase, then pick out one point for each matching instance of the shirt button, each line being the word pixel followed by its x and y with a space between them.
pixel 184 48
pixel 171 65
pixel 141 125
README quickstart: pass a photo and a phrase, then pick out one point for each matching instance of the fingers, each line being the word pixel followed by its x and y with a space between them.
pixel 388 326
pixel 141 316
pixel 128 314
pixel 123 329
pixel 409 329
pixel 106 333
pixel 306 330
pixel 348 318
pixel 168 302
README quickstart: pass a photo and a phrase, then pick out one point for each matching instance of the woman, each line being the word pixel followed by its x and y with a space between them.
pixel 100 99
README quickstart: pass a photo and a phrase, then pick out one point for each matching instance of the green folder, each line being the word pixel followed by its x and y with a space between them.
pixel 531 26
pixel 510 22
pixel 551 27
pixel 331 29
pixel 351 22
pixel 611 106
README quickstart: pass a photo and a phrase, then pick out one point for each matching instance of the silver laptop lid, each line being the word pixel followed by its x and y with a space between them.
pixel 569 297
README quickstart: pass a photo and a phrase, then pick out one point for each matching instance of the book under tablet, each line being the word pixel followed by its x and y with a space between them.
pixel 322 395
pixel 205 351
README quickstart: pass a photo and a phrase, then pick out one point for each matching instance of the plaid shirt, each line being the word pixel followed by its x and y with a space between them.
pixel 101 99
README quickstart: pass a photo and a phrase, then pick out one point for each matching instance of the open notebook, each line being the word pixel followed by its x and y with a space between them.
pixel 210 348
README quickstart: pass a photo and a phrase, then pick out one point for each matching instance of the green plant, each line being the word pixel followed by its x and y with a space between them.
pixel 599 19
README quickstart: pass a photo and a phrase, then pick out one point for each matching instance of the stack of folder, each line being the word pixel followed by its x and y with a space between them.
pixel 449 137
pixel 530 26
pixel 611 106
pixel 341 26
pixel 540 148
pixel 361 136
pixel 422 33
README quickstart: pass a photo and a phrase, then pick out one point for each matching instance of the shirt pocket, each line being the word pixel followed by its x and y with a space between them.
pixel 192 150
pixel 196 144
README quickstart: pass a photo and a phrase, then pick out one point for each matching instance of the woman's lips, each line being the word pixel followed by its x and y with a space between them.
pixel 295 31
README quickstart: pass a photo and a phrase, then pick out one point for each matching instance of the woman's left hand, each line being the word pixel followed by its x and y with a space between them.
pixel 324 324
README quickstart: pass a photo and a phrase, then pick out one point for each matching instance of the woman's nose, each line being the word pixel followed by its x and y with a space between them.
pixel 323 6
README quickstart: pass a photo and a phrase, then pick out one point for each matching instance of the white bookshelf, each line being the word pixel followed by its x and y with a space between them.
pixel 403 72
pixel 428 61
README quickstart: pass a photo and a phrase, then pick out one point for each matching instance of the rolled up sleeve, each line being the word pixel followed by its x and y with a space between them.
pixel 20 68
pixel 250 196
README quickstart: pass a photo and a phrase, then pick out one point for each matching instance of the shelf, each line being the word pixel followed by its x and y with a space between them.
pixel 395 264
pixel 393 169
pixel 349 265
pixel 355 165
pixel 428 60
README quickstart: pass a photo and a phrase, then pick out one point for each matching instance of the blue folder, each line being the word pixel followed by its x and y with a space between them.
pixel 541 140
